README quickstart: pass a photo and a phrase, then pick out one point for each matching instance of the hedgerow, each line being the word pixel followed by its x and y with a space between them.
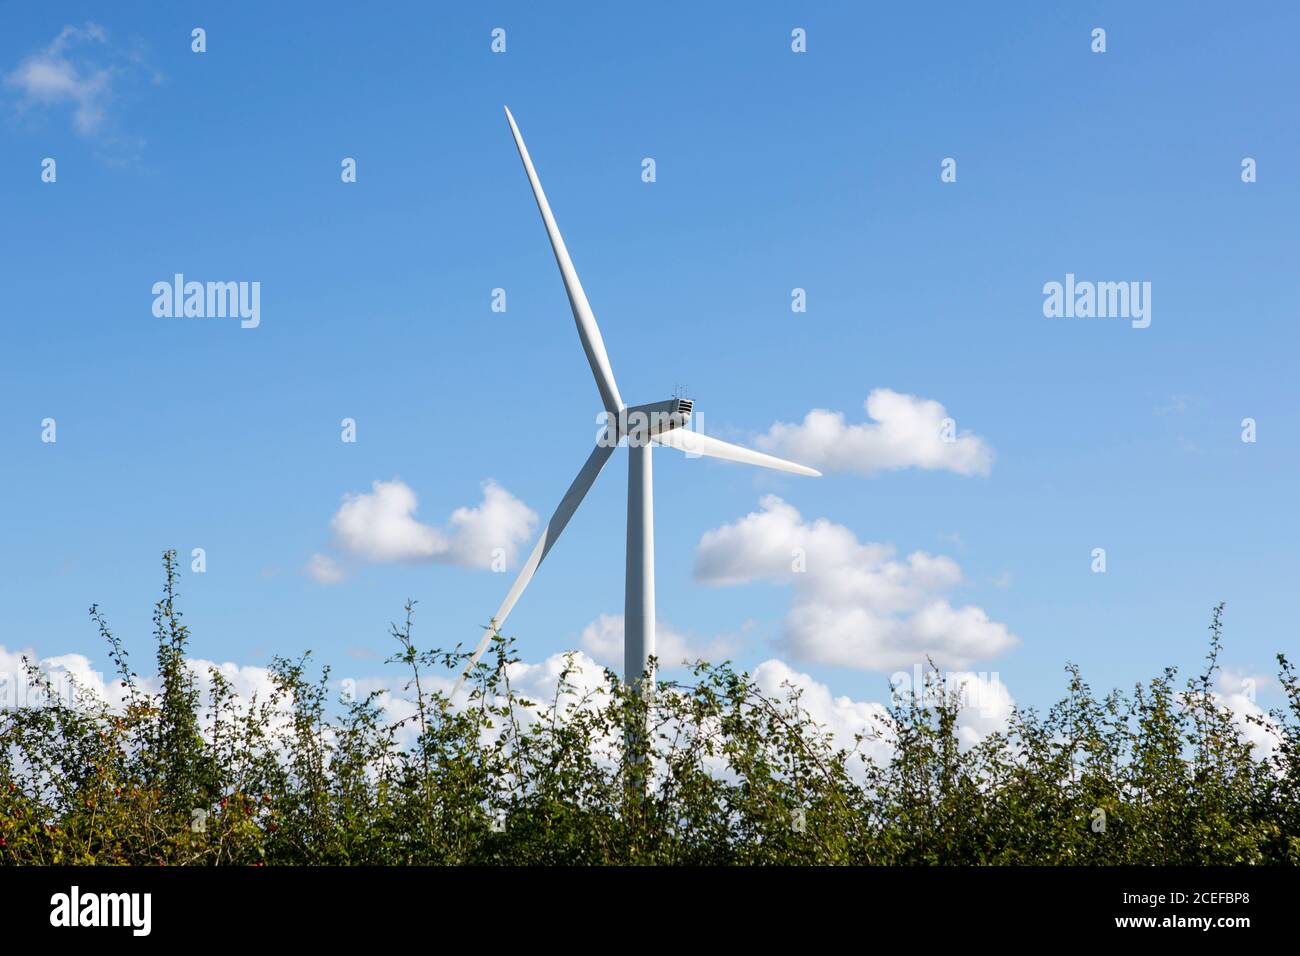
pixel 710 770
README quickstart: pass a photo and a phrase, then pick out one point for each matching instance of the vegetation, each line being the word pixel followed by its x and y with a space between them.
pixel 725 775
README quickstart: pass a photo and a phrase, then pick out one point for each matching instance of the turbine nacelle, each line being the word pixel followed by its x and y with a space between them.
pixel 639 424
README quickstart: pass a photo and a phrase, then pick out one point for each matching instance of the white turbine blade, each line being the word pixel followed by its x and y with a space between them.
pixel 568 505
pixel 588 331
pixel 697 443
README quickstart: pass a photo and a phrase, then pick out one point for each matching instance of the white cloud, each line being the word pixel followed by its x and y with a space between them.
pixel 603 640
pixel 908 432
pixel 584 686
pixel 839 715
pixel 324 569
pixel 585 679
pixel 59 75
pixel 63 670
pixel 986 704
pixel 501 521
pixel 842 717
pixel 986 708
pixel 1236 692
pixel 16 690
pixel 855 603
pixel 381 526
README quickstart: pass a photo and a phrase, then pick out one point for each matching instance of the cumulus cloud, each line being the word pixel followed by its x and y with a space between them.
pixel 986 703
pixel 381 526
pixel 906 432
pixel 325 570
pixel 986 708
pixel 856 604
pixel 1236 691
pixel 841 716
pixel 61 670
pixel 603 640
pixel 60 74
pixel 71 676
pixel 575 679
pixel 583 680
pixel 565 680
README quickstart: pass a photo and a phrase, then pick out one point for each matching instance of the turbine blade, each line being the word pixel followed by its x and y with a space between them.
pixel 568 505
pixel 588 331
pixel 697 443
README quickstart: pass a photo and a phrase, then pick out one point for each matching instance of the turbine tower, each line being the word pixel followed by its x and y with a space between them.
pixel 641 427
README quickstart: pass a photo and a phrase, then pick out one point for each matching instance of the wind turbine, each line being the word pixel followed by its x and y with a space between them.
pixel 642 427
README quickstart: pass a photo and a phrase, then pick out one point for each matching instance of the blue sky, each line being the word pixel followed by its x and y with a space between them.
pixel 775 170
